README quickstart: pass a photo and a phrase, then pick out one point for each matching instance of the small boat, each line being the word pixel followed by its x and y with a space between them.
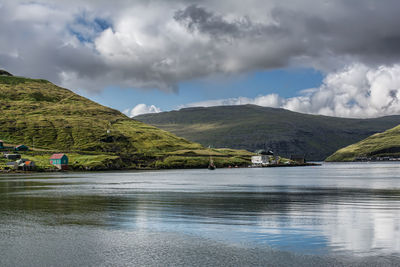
pixel 211 165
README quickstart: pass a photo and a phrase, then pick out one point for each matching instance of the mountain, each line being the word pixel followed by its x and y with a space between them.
pixel 5 73
pixel 253 127
pixel 49 118
pixel 378 145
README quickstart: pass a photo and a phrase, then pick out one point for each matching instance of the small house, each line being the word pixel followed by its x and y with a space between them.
pixel 12 165
pixel 22 161
pixel 27 165
pixel 30 164
pixel 299 159
pixel 275 160
pixel 21 148
pixel 12 156
pixel 262 159
pixel 60 161
pixel 257 160
pixel 1 144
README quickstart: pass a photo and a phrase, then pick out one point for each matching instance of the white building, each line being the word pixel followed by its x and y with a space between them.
pixel 260 160
pixel 263 158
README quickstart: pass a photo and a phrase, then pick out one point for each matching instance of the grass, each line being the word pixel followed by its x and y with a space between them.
pixel 212 152
pixel 252 127
pixel 172 162
pixel 14 80
pixel 44 116
pixel 380 144
pixel 77 161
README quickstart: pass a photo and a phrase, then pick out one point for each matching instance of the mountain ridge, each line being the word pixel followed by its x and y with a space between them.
pixel 253 127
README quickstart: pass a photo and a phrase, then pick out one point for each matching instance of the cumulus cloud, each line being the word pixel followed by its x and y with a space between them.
pixel 271 100
pixel 355 91
pixel 158 44
pixel 141 109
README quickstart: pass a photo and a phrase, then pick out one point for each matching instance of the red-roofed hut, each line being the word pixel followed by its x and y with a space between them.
pixel 60 161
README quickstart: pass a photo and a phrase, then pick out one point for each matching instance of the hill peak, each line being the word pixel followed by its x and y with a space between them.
pixel 50 119
pixel 5 73
pixel 253 127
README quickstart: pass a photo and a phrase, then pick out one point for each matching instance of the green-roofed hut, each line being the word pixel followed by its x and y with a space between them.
pixel 21 148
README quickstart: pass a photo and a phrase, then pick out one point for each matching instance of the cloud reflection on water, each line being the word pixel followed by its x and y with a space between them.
pixel 336 208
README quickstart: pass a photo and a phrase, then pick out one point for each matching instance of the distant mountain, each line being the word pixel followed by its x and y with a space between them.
pixel 253 127
pixel 377 145
pixel 49 118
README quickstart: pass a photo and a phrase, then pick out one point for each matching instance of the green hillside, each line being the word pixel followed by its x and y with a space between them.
pixel 386 144
pixel 48 118
pixel 253 127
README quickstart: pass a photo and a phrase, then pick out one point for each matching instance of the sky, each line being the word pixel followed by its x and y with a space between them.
pixel 329 57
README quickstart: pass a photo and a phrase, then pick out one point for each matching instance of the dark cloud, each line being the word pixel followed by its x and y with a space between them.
pixel 198 18
pixel 157 44
pixel 364 30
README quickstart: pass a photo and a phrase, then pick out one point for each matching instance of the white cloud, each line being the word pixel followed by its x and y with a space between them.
pixel 91 45
pixel 141 109
pixel 345 226
pixel 271 100
pixel 355 91
pixel 158 44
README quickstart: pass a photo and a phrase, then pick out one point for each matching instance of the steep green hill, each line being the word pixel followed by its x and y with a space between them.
pixel 46 117
pixel 377 145
pixel 253 127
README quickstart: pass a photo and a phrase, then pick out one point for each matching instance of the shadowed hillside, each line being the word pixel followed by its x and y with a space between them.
pixel 253 127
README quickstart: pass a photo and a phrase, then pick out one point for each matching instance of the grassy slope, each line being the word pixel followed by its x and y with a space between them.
pixel 380 144
pixel 253 127
pixel 42 115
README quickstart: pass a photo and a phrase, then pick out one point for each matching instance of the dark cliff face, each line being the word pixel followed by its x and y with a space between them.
pixel 5 73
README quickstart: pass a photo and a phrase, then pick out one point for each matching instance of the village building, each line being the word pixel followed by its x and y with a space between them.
pixel 274 160
pixel 258 160
pixel 262 159
pixel 12 156
pixel 26 165
pixel 60 161
pixel 21 164
pixel 12 165
pixel 22 161
pixel 21 148
pixel 299 159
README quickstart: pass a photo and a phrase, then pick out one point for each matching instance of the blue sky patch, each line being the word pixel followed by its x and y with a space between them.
pixel 286 83
pixel 86 27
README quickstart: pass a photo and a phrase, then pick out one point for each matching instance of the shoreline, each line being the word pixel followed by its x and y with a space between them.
pixel 151 169
pixel 289 165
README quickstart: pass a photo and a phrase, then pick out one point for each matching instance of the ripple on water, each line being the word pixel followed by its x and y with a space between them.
pixel 342 210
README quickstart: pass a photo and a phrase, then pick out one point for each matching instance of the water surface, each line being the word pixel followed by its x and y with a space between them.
pixel 330 215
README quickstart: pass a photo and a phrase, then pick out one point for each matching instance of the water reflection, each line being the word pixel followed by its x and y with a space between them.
pixel 332 209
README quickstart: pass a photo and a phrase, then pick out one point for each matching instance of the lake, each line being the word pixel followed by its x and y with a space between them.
pixel 334 214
